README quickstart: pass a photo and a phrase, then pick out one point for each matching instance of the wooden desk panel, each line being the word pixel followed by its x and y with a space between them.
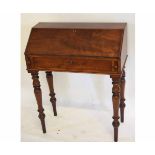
pixel 74 64
pixel 80 42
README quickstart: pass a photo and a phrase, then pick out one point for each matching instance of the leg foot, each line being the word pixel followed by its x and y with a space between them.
pixel 49 78
pixel 38 95
pixel 122 98
pixel 115 99
pixel 115 134
pixel 41 117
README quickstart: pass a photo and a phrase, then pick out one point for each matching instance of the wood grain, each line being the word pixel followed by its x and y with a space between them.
pixel 122 99
pixel 38 95
pixel 49 78
pixel 74 64
pixel 116 99
pixel 81 42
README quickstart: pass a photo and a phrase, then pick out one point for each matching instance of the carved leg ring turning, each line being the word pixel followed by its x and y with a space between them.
pixel 122 100
pixel 115 99
pixel 49 78
pixel 38 95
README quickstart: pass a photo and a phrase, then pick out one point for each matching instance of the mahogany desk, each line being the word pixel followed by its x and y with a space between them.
pixel 99 48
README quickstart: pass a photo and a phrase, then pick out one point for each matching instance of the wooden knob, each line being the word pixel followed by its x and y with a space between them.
pixel 71 62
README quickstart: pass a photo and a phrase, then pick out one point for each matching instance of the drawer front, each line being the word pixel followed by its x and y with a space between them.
pixel 74 64
pixel 83 42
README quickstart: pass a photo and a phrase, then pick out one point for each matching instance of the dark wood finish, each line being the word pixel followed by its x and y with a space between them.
pixel 92 44
pixel 116 99
pixel 59 25
pixel 75 64
pixel 78 42
pixel 49 78
pixel 80 47
pixel 122 99
pixel 38 95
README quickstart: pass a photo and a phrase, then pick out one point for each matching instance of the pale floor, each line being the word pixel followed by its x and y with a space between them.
pixel 73 124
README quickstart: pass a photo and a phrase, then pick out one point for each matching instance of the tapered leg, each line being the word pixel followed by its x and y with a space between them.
pixel 122 98
pixel 115 99
pixel 49 78
pixel 38 95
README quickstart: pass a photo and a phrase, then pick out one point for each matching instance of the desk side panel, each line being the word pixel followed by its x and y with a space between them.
pixel 124 49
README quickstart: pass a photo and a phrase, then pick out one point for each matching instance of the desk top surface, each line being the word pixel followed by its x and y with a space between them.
pixel 57 25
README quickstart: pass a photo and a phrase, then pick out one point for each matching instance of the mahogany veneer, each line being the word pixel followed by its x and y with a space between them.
pixel 79 47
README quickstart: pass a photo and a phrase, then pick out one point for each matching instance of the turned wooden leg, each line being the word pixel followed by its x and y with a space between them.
pixel 49 78
pixel 38 95
pixel 116 99
pixel 122 98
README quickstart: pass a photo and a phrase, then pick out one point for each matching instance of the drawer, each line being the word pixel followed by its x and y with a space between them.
pixel 74 64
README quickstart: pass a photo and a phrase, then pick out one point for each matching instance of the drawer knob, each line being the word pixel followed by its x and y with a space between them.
pixel 70 62
pixel 115 67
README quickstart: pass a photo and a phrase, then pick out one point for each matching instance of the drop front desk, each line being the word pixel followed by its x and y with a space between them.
pixel 99 48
